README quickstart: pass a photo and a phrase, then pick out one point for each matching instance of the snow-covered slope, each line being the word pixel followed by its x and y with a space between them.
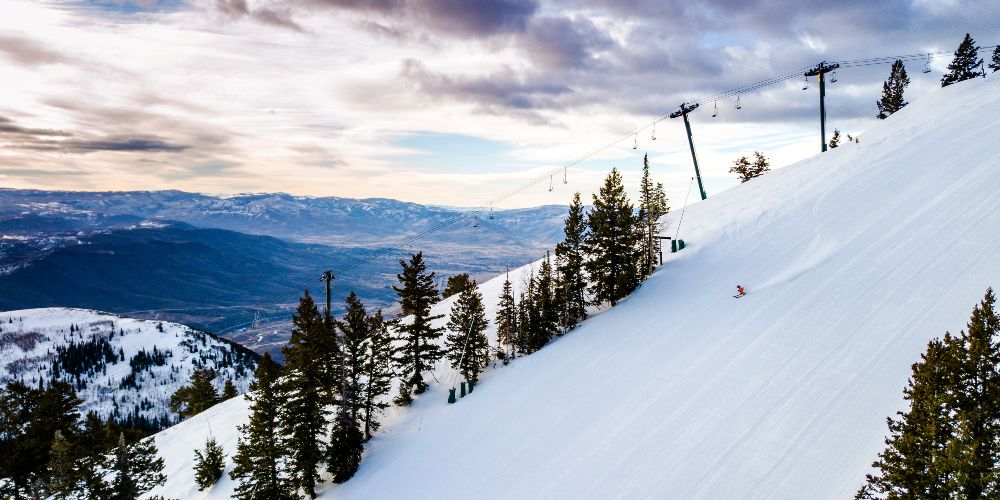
pixel 853 259
pixel 119 366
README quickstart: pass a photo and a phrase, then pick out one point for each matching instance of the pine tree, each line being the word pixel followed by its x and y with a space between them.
pixel 197 397
pixel 63 472
pixel 652 206
pixel 306 388
pixel 260 466
pixel 572 283
pixel 995 60
pixel 467 345
pixel 545 301
pixel 915 463
pixel 892 91
pixel 378 372
pixel 835 139
pixel 346 445
pixel 612 243
pixel 747 170
pixel 229 390
pixel 457 283
pixel 506 321
pixel 208 465
pixel 966 64
pixel 355 328
pixel 137 469
pixel 420 349
pixel 977 403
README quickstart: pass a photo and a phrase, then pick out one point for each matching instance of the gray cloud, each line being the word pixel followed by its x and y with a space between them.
pixel 238 9
pixel 14 136
pixel 29 52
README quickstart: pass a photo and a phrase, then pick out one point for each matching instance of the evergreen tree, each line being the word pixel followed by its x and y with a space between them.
pixel 378 372
pixel 652 206
pixel 835 139
pixel 747 170
pixel 457 283
pixel 63 473
pixel 892 91
pixel 977 403
pixel 545 301
pixel 506 321
pixel 612 243
pixel 522 340
pixel 137 469
pixel 260 466
pixel 197 397
pixel 419 350
pixel 208 465
pixel 995 61
pixel 229 390
pixel 356 334
pixel 467 345
pixel 306 389
pixel 346 445
pixel 572 283
pixel 916 463
pixel 965 65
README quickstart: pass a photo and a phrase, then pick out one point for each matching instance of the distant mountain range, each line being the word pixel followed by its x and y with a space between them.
pixel 216 262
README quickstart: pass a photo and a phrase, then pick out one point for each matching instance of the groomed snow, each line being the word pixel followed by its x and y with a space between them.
pixel 853 260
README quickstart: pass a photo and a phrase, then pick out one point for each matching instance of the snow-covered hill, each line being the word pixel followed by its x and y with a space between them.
pixel 853 260
pixel 119 366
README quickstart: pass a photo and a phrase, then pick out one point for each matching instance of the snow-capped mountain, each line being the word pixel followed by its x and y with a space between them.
pixel 853 260
pixel 118 366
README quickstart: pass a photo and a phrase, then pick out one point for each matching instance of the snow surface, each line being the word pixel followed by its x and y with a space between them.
pixel 29 339
pixel 853 260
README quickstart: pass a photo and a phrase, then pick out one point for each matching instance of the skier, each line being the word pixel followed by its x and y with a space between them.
pixel 740 291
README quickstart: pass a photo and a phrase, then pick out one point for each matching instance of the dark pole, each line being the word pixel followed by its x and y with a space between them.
pixel 328 278
pixel 820 70
pixel 685 109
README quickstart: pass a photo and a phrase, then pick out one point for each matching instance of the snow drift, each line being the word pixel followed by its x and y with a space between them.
pixel 853 260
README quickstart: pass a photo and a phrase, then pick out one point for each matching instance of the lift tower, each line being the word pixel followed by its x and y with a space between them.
pixel 683 111
pixel 820 70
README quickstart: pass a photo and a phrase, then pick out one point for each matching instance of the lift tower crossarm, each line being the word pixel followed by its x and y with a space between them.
pixel 820 70
pixel 683 111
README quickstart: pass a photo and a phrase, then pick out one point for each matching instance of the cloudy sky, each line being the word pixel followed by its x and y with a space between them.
pixel 435 101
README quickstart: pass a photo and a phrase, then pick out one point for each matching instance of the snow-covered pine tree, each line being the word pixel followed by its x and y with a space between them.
pixel 572 283
pixel 305 389
pixel 506 321
pixel 208 464
pixel 652 206
pixel 136 469
pixel 378 372
pixel 966 64
pixel 229 390
pixel 419 350
pixel 260 466
pixel 467 345
pixel 197 396
pixel 355 328
pixel 612 243
pixel 834 139
pixel 892 91
pixel 995 60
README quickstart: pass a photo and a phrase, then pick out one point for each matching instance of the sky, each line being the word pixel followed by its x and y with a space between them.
pixel 451 102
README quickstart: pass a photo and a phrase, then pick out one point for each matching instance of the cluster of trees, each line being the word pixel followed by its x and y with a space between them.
pixel 49 451
pixel 966 65
pixel 200 394
pixel 947 444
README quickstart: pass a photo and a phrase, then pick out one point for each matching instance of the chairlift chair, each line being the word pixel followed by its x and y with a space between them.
pixel 833 77
pixel 715 112
pixel 565 181
pixel 491 213
pixel 551 187
pixel 927 64
pixel 738 105
pixel 654 131
pixel 805 83
pixel 635 145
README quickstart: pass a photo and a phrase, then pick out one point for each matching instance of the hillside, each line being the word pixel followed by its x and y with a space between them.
pixel 853 260
pixel 119 367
